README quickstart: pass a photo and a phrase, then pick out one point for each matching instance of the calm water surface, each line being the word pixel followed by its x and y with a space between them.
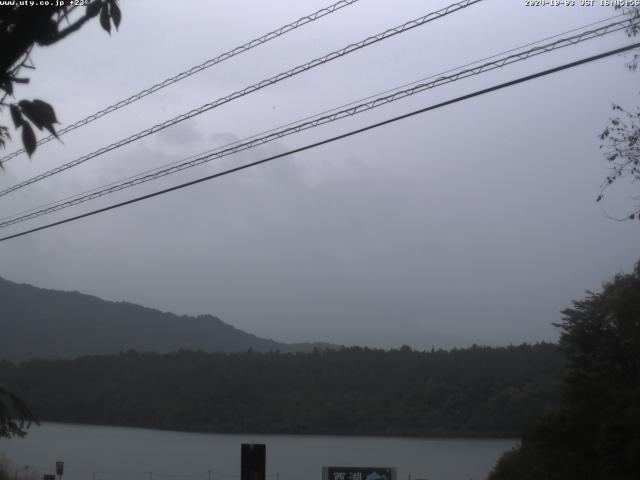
pixel 114 452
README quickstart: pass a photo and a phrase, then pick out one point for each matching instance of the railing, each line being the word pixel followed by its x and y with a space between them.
pixel 36 473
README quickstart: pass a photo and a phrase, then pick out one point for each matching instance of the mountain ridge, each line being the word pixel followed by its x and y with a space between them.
pixel 46 323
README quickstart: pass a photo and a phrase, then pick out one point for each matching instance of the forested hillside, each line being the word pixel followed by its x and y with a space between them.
pixel 594 433
pixel 478 391
pixel 41 323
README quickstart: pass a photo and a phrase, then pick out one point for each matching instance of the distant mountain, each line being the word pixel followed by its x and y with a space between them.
pixel 41 323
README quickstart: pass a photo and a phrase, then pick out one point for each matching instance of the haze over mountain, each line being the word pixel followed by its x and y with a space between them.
pixel 42 323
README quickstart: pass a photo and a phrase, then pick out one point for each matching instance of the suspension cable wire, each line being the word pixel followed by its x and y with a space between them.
pixel 121 184
pixel 235 142
pixel 326 141
pixel 455 7
pixel 302 125
pixel 192 71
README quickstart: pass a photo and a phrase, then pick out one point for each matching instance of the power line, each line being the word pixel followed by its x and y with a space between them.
pixel 193 70
pixel 331 139
pixel 226 150
pixel 255 87
pixel 319 114
pixel 354 102
pixel 297 127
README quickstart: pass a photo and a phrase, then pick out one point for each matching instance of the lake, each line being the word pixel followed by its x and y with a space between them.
pixel 118 453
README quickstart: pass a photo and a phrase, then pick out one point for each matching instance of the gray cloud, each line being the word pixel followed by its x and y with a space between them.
pixel 472 223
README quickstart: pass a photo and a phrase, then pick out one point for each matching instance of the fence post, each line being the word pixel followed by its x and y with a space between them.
pixel 209 474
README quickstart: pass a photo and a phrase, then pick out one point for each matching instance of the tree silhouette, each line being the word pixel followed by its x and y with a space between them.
pixel 621 138
pixel 15 415
pixel 22 28
pixel 594 432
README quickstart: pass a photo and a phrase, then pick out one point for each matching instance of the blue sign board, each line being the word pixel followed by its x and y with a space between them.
pixel 358 473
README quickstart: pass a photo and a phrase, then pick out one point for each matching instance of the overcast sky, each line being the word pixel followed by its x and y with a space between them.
pixel 475 222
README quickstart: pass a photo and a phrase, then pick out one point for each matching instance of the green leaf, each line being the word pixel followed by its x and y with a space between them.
pixel 16 116
pixel 28 138
pixel 45 111
pixel 116 15
pixel 27 109
pixel 105 21
pixel 93 8
pixel 4 133
pixel 40 113
pixel 46 115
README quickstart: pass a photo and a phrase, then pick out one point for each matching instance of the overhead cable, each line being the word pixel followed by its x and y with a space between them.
pixel 252 88
pixel 330 140
pixel 290 129
pixel 192 71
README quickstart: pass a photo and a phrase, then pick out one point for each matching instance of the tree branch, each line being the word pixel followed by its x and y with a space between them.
pixel 68 30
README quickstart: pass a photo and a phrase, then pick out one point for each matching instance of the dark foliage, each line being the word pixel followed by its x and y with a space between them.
pixel 15 415
pixel 595 433
pixel 621 146
pixel 479 391
pixel 21 28
pixel 621 138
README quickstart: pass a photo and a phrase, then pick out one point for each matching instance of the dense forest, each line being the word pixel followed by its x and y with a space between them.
pixel 594 433
pixel 479 391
